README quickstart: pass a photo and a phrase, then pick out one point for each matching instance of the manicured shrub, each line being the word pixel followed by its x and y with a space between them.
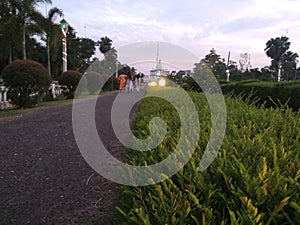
pixel 191 85
pixel 271 94
pixel 111 84
pixel 93 81
pixel 70 79
pixel 27 81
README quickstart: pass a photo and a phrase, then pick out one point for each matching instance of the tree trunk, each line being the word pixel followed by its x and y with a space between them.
pixel 10 55
pixel 279 72
pixel 24 41
pixel 48 56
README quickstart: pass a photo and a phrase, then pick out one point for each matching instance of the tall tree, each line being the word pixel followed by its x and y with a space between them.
pixel 85 49
pixel 27 14
pixel 109 63
pixel 289 64
pixel 215 63
pixel 275 49
pixel 105 45
pixel 266 73
pixel 51 31
pixel 9 30
pixel 80 51
pixel 36 51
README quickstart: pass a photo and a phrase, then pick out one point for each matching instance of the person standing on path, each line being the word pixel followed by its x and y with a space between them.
pixel 130 88
pixel 122 82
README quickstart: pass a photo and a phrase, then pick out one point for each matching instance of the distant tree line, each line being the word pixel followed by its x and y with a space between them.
pixel 283 61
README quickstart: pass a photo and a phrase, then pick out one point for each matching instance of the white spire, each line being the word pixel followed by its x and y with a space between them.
pixel 157 53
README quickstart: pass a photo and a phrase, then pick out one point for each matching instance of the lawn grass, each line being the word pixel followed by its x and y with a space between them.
pixel 15 112
pixel 12 113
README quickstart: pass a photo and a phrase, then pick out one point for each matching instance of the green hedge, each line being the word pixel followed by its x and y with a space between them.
pixel 27 81
pixel 269 93
pixel 254 179
pixel 70 79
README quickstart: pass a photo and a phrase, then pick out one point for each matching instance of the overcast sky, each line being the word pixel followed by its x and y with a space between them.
pixel 238 26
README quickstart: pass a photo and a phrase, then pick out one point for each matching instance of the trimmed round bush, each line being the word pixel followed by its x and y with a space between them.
pixel 111 84
pixel 27 81
pixel 93 81
pixel 70 79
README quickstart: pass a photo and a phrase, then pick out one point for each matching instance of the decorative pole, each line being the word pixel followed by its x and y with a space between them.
pixel 227 70
pixel 116 69
pixel 64 28
pixel 279 71
pixel 227 75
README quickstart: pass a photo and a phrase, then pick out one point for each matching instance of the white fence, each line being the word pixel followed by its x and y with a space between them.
pixel 55 89
pixel 4 102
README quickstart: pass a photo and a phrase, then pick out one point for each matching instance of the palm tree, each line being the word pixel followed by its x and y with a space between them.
pixel 9 29
pixel 27 14
pixel 51 31
pixel 289 64
pixel 110 54
pixel 105 44
pixel 275 49
pixel 111 59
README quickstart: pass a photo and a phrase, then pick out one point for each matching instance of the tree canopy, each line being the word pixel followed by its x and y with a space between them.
pixel 283 62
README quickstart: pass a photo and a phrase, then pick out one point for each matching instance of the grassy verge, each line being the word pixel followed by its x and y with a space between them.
pixel 14 112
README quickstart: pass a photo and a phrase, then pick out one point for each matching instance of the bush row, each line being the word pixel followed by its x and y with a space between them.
pixel 90 82
pixel 28 82
pixel 271 94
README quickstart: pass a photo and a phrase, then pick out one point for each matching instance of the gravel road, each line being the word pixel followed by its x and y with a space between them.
pixel 43 176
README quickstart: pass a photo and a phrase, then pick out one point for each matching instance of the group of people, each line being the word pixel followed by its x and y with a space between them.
pixel 128 83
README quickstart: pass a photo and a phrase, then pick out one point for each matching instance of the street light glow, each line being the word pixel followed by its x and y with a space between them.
pixel 162 82
pixel 152 84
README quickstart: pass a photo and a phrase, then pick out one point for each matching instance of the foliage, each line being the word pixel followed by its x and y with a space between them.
pixel 289 65
pixel 111 84
pixel 277 50
pixel 109 62
pixel 105 44
pixel 202 72
pixel 52 34
pixel 180 77
pixel 270 94
pixel 103 75
pixel 80 50
pixel 27 15
pixel 27 81
pixel 276 47
pixel 125 69
pixel 253 180
pixel 38 53
pixel 93 81
pixel 70 79
pixel 215 63
pixel 96 80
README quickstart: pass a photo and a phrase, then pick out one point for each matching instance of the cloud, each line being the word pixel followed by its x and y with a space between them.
pixel 227 25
